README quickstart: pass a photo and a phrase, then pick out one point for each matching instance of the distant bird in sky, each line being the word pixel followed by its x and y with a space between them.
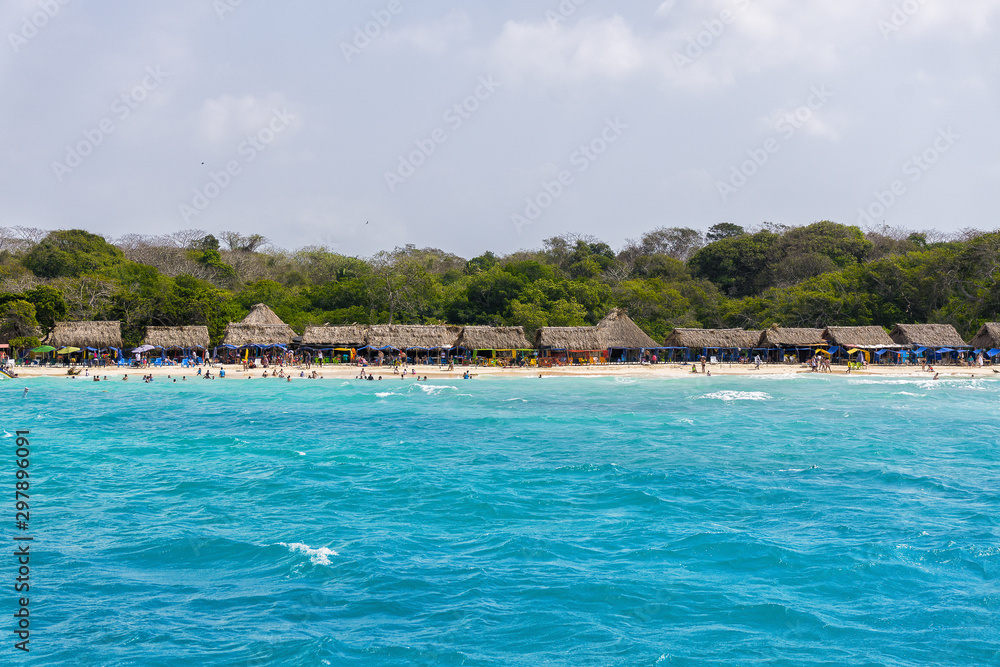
pixel 366 222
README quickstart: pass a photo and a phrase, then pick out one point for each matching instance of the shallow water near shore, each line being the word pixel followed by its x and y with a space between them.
pixel 599 521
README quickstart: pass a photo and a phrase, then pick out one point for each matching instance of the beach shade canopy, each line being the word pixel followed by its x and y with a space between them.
pixel 143 348
pixel 43 348
pixel 68 350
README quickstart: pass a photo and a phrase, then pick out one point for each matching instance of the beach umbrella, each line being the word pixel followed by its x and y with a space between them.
pixel 144 348
pixel 68 350
pixel 43 348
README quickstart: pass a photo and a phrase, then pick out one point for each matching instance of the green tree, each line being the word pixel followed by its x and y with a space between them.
pixel 723 230
pixel 71 253
pixel 18 320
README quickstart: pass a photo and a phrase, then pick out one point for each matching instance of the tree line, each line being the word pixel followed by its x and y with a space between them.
pixel 804 276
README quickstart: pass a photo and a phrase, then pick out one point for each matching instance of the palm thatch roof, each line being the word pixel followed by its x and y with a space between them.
pixel 927 335
pixel 621 333
pixel 617 331
pixel 412 336
pixel 85 334
pixel 873 337
pixel 353 336
pixel 177 337
pixel 726 339
pixel 492 338
pixel 569 338
pixel 260 327
pixel 988 337
pixel 785 337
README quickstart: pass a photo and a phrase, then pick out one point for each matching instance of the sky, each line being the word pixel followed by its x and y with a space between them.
pixel 474 126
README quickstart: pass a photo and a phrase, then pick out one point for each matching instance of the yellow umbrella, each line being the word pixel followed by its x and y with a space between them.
pixel 68 350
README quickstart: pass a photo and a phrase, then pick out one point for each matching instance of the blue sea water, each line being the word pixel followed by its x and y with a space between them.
pixel 597 521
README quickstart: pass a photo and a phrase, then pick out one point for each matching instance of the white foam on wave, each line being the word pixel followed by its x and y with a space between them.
pixel 319 556
pixel 907 393
pixel 385 394
pixel 737 396
pixel 435 388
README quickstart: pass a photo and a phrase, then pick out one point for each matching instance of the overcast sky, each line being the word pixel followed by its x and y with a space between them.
pixel 470 126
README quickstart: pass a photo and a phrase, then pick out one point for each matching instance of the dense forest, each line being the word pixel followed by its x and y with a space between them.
pixel 810 276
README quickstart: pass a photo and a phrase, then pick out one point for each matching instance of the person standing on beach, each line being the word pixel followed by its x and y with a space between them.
pixel 756 361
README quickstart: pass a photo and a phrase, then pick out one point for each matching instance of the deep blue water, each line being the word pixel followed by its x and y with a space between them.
pixel 708 521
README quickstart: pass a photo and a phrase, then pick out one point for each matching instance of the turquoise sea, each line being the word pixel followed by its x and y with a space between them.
pixel 599 521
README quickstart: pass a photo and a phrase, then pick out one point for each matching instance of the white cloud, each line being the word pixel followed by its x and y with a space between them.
pixel 227 119
pixel 434 37
pixel 590 49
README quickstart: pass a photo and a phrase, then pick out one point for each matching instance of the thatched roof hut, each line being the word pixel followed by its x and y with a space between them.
pixel 260 327
pixel 927 335
pixel 865 338
pixel 621 333
pixel 988 337
pixel 492 338
pixel 789 337
pixel 617 331
pixel 180 338
pixel 569 338
pixel 412 336
pixel 99 335
pixel 353 336
pixel 721 339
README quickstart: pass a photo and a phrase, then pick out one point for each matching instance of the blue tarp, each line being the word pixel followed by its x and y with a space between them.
pixel 994 352
pixel 833 350
pixel 879 353
pixel 919 350
pixel 945 349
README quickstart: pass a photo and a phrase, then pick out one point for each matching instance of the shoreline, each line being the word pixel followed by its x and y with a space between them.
pixel 659 371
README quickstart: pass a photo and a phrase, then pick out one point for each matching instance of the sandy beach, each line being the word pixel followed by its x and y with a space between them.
pixel 345 372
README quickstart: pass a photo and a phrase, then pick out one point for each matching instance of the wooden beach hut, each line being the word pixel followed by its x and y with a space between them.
pixel 695 343
pixel 936 341
pixel 415 341
pixel 93 335
pixel 342 342
pixel 261 329
pixel 872 341
pixel 785 343
pixel 90 337
pixel 189 340
pixel 623 338
pixel 988 337
pixel 494 343
pixel 561 345
pixel 178 338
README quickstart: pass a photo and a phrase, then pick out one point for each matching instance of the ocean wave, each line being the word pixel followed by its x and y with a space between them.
pixel 385 394
pixel 730 395
pixel 319 556
pixel 435 388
